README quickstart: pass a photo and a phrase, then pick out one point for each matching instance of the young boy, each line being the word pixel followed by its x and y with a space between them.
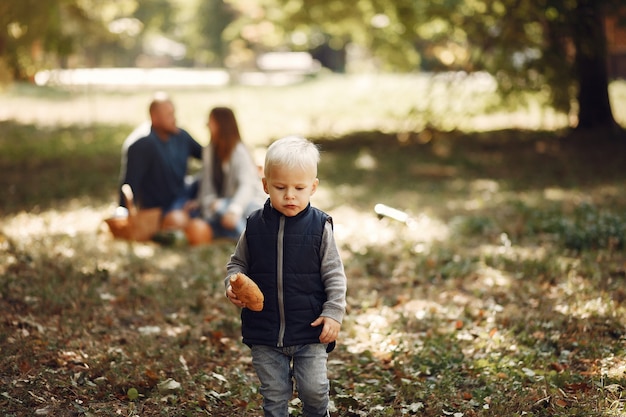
pixel 289 250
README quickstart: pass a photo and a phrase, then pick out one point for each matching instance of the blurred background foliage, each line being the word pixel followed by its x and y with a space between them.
pixel 556 47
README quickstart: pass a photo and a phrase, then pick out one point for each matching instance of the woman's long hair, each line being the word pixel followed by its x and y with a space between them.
pixel 225 136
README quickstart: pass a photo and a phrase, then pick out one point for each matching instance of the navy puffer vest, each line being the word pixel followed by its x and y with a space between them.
pixel 284 261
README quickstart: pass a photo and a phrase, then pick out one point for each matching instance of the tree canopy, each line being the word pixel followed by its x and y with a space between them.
pixel 555 47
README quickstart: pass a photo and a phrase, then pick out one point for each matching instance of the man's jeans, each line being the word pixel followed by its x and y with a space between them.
pixel 275 371
pixel 190 192
pixel 216 221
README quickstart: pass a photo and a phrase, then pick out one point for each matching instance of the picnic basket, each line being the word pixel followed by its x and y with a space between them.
pixel 139 225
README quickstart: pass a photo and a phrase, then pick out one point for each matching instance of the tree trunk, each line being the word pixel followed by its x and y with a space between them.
pixel 591 66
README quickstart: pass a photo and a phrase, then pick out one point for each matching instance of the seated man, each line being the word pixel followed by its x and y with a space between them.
pixel 155 161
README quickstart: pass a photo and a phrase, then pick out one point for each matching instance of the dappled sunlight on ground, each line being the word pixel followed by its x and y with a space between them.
pixel 31 226
pixel 372 331
pixel 584 309
pixel 404 327
pixel 496 286
pixel 614 367
pixel 71 233
pixel 78 232
pixel 358 230
pixel 488 277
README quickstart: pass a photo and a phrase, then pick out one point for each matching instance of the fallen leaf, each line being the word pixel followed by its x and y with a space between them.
pixel 168 386
pixel 557 366
pixel 151 376
pixel 560 402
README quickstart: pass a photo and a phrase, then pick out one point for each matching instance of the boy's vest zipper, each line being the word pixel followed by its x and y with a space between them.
pixel 279 278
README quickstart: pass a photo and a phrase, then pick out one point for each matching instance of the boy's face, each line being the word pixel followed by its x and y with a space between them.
pixel 290 190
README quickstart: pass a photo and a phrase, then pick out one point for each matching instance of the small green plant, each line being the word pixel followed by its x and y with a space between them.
pixel 593 228
pixel 584 227
pixel 472 225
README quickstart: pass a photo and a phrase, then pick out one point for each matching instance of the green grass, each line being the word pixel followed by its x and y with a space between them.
pixel 44 166
pixel 503 296
pixel 329 105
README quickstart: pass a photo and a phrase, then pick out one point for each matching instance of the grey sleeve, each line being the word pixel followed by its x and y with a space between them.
pixel 238 260
pixel 333 277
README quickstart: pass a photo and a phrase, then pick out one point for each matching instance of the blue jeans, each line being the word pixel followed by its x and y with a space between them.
pixel 276 367
pixel 189 193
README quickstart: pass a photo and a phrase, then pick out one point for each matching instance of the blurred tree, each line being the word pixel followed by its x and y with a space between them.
pixel 211 19
pixel 556 47
pixel 160 29
pixel 157 15
pixel 28 28
pixel 105 34
pixel 553 46
pixel 35 34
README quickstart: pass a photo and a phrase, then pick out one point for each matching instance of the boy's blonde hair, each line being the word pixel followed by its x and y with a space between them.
pixel 292 152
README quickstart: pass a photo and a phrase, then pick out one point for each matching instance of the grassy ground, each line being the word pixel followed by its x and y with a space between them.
pixel 503 295
pixel 332 105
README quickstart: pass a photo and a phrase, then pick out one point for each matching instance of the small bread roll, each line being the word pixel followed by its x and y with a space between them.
pixel 247 291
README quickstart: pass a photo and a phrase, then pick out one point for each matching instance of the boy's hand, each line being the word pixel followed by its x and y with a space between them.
pixel 330 331
pixel 233 298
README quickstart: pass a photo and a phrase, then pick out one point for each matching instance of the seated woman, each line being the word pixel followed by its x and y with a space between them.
pixel 230 187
